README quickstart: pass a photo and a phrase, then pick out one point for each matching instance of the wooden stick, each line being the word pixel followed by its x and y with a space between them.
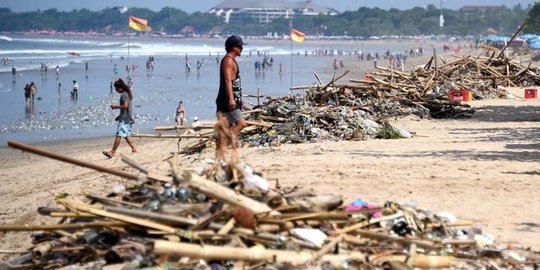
pixel 395 239
pixel 513 36
pixel 335 79
pixel 183 221
pixel 327 248
pixel 303 87
pixel 194 127
pixel 273 119
pixel 68 226
pixel 133 164
pixel 209 252
pixel 112 200
pixel 42 152
pixel 227 195
pixel 351 228
pixel 431 262
pixel 259 123
pixel 70 215
pixel 228 227
pixel 72 204
pixel 3 251
pixel 169 136
pixel 149 175
pixel 321 215
pixel 318 78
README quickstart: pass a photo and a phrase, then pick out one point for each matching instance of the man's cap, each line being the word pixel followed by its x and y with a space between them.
pixel 234 41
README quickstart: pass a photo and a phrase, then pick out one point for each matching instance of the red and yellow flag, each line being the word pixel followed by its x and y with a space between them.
pixel 138 24
pixel 297 35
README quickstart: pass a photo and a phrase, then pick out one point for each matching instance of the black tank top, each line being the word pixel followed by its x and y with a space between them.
pixel 222 100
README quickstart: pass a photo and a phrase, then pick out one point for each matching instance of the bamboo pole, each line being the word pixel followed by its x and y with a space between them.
pixel 72 204
pixel 54 227
pixel 195 127
pixel 335 79
pixel 149 175
pixel 184 221
pixel 259 123
pixel 105 200
pixel 45 153
pixel 513 36
pixel 327 248
pixel 227 195
pixel 395 239
pixel 431 262
pixel 318 78
pixel 210 252
pixel 169 136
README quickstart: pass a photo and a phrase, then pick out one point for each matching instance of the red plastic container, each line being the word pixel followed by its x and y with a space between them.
pixel 531 93
pixel 460 95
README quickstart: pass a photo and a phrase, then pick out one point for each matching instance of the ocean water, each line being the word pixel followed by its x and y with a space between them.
pixel 55 116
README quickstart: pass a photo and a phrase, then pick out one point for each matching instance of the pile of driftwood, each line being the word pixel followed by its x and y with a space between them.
pixel 358 109
pixel 361 108
pixel 227 216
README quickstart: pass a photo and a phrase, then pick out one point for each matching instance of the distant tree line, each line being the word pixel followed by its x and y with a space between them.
pixel 362 22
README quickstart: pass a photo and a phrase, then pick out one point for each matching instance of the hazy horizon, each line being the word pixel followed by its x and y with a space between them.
pixel 205 5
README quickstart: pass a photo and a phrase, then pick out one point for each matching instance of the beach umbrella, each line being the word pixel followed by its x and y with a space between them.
pixel 528 36
pixel 535 45
pixel 533 39
pixel 488 38
pixel 501 38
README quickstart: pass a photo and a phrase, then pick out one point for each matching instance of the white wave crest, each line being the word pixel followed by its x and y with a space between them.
pixel 6 38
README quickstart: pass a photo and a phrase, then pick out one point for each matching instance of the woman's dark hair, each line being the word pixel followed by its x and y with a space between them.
pixel 121 84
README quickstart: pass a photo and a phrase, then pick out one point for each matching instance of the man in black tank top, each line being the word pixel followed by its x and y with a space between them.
pixel 229 99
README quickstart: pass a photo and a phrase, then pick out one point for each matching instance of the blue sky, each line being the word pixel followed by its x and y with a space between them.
pixel 204 5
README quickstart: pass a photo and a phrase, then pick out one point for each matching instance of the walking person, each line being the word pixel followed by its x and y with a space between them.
pixel 124 118
pixel 229 98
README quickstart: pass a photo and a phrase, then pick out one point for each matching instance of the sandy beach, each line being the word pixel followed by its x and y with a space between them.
pixel 484 169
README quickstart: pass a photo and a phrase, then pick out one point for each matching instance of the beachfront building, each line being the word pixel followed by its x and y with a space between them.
pixel 266 11
pixel 472 10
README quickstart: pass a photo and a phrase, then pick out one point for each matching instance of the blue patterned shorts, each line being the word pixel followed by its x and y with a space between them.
pixel 123 130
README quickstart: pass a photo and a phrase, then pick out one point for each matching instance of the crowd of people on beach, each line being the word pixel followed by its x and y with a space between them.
pixel 267 61
pixel 263 61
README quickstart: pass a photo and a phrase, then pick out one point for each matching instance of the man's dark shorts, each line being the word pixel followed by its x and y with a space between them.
pixel 233 116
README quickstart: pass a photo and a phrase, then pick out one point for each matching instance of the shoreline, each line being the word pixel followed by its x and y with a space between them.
pixel 158 91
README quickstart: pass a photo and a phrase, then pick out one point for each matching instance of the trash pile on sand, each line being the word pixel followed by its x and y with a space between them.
pixel 360 109
pixel 226 215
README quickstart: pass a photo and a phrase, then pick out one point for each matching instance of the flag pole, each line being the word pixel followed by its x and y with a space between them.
pixel 290 37
pixel 291 63
pixel 129 37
